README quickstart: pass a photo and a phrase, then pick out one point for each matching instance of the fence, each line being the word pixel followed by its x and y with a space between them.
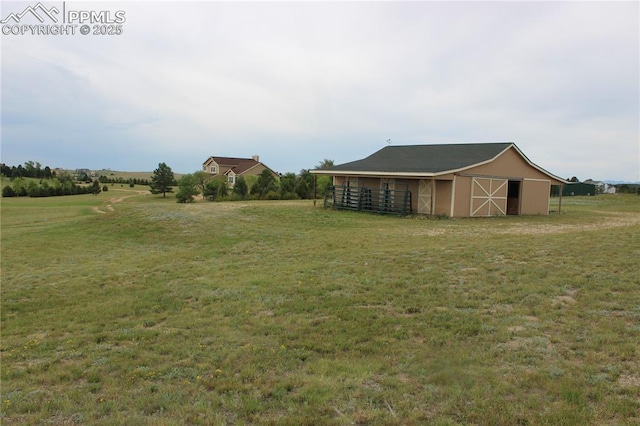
pixel 373 200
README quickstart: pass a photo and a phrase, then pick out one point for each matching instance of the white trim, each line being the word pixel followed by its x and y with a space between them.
pixel 433 196
pixel 536 180
pixel 453 194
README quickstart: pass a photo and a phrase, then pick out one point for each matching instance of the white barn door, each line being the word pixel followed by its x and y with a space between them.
pixel 424 197
pixel 488 196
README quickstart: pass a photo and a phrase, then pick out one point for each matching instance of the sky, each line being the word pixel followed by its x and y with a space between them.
pixel 300 82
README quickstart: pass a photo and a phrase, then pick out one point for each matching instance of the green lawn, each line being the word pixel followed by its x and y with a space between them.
pixel 142 311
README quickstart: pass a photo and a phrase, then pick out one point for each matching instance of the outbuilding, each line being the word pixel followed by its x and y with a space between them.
pixel 455 180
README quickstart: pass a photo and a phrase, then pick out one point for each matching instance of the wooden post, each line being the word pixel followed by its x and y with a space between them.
pixel 433 196
pixel 560 200
pixel 315 185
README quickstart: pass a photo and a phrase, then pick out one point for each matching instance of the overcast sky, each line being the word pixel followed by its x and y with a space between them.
pixel 298 82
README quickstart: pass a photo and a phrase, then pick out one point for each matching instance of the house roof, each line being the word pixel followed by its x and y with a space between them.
pixel 239 166
pixel 428 160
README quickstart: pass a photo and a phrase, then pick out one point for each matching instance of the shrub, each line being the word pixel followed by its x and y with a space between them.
pixel 184 198
pixel 235 197
pixel 290 196
pixel 8 191
pixel 240 188
pixel 272 195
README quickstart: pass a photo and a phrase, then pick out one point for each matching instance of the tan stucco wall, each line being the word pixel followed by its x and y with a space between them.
pixel 462 195
pixel 443 197
pixel 509 164
pixel 255 170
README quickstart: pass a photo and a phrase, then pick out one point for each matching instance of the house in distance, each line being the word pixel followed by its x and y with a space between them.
pixel 455 180
pixel 232 168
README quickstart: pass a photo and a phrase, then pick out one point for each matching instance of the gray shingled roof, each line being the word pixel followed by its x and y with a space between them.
pixel 425 158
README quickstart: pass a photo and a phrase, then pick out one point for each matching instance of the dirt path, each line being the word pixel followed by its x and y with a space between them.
pixel 115 200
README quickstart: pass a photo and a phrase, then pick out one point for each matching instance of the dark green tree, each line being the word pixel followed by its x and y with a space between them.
pixel 162 180
pixel 5 170
pixel 304 184
pixel 266 183
pixel 211 190
pixel 288 185
pixel 223 188
pixel 95 187
pixel 240 188
pixel 325 164
pixel 8 191
pixel 187 189
pixel 202 178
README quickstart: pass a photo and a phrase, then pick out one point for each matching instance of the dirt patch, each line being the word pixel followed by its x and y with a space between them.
pixel 609 220
pixel 567 298
pixel 115 200
pixel 629 381
pixel 561 300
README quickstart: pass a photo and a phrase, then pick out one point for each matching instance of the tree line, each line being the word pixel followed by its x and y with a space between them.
pixel 31 169
pixel 121 180
pixel 21 187
pixel 33 180
pixel 266 186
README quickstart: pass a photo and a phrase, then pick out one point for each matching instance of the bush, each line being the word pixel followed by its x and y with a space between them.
pixel 184 198
pixel 8 191
pixel 290 196
pixel 105 188
pixel 235 197
pixel 272 195
pixel 240 188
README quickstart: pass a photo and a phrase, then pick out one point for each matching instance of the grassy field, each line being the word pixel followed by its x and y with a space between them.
pixel 126 308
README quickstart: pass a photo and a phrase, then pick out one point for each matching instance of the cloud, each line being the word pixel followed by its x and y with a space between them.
pixel 300 82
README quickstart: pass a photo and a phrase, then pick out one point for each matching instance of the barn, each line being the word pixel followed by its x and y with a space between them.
pixel 455 180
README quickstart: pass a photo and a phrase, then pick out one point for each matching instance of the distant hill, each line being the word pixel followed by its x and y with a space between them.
pixel 124 175
pixel 128 175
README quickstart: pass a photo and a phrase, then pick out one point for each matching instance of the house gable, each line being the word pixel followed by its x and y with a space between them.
pixel 210 166
pixel 234 167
